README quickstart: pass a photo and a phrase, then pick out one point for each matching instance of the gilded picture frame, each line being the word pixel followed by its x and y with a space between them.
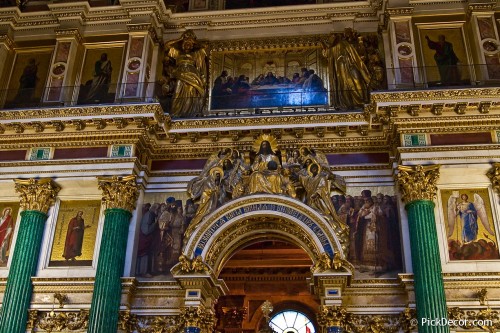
pixel 75 233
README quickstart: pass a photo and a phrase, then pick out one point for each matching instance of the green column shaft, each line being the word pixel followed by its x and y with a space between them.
pixel 429 286
pixel 105 305
pixel 19 288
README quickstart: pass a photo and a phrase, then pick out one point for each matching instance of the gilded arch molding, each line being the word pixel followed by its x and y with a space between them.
pixel 260 216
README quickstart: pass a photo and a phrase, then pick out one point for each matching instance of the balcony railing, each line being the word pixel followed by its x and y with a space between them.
pixel 253 101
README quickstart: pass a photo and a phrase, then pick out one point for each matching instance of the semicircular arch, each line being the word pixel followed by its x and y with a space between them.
pixel 259 216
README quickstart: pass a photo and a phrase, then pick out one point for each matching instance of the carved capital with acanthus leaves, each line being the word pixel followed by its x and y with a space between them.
pixel 119 192
pixel 36 194
pixel 332 316
pixel 198 317
pixel 494 176
pixel 418 182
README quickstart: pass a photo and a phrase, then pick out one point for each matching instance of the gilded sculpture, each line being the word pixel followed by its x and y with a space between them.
pixel 185 75
pixel 306 177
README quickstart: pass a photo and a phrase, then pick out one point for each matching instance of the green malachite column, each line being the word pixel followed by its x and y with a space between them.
pixel 36 196
pixel 119 195
pixel 418 188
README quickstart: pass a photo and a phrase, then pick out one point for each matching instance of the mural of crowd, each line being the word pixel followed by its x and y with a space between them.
pixel 375 246
pixel 161 233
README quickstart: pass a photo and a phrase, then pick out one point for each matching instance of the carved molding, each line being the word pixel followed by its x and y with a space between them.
pixel 417 182
pixel 494 176
pixel 119 192
pixel 36 194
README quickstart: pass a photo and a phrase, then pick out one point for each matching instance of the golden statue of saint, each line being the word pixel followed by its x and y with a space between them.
pixel 349 76
pixel 189 73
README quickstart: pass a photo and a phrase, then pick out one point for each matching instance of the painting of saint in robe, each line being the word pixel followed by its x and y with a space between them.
pixel 75 233
pixel 8 216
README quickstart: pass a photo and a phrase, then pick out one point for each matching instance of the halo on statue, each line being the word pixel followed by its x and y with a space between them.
pixel 265 137
pixel 301 151
pixel 309 172
pixel 216 170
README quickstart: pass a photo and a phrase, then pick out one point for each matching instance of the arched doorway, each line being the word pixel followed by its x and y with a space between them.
pixel 266 270
pixel 291 321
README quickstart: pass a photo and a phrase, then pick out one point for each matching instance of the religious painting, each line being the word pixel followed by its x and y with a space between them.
pixel 198 4
pixel 75 233
pixel 260 79
pixel 164 219
pixel 237 4
pixel 469 224
pixel 373 220
pixel 27 81
pixel 445 57
pixel 8 211
pixel 100 75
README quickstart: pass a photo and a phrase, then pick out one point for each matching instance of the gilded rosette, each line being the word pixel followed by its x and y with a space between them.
pixel 417 182
pixel 36 194
pixel 119 192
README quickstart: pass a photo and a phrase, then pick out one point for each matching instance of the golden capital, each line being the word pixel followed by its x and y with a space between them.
pixel 332 316
pixel 119 192
pixel 494 175
pixel 418 182
pixel 36 194
pixel 198 317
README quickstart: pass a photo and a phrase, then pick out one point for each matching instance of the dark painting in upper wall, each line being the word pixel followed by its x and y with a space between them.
pixel 100 74
pixel 27 81
pixel 237 4
pixel 8 211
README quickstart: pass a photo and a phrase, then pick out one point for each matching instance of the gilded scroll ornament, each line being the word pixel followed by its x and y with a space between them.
pixel 131 323
pixel 119 192
pixel 418 182
pixel 58 321
pixel 494 175
pixel 36 194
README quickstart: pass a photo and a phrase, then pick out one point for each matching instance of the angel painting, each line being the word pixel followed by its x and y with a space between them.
pixel 474 237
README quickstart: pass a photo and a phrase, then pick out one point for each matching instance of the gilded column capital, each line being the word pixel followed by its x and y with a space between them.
pixel 494 176
pixel 119 192
pixel 332 316
pixel 36 194
pixel 418 182
pixel 197 317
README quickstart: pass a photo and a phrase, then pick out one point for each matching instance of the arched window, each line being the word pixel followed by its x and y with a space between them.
pixel 290 321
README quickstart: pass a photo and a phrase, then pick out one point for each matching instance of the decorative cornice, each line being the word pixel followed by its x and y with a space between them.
pixel 417 182
pixel 119 192
pixel 36 194
pixel 85 111
pixel 441 94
